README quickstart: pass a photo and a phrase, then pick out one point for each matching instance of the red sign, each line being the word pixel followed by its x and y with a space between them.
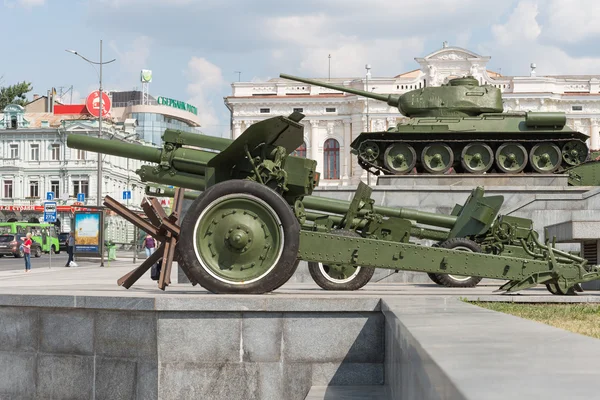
pixel 92 103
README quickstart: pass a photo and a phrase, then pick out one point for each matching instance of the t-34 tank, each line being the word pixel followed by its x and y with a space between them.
pixel 461 125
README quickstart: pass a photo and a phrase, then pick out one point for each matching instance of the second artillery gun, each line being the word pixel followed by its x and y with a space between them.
pixel 257 217
pixel 461 125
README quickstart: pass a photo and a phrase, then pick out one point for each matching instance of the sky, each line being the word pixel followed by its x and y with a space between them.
pixel 195 47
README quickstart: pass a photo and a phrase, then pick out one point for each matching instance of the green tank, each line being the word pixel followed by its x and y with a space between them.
pixel 461 127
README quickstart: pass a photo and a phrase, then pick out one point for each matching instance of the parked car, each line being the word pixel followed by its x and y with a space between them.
pixel 63 238
pixel 10 245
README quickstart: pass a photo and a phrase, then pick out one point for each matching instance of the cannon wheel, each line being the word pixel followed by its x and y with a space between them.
pixel 240 237
pixel 340 277
pixel 450 280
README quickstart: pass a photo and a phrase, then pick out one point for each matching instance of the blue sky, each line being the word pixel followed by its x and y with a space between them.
pixel 194 47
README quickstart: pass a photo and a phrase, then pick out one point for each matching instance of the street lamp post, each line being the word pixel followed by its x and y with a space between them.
pixel 99 188
pixel 368 68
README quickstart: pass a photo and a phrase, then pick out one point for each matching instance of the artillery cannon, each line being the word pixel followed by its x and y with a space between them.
pixel 461 125
pixel 256 218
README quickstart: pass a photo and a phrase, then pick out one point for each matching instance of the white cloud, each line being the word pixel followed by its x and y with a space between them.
pixel 573 20
pixel 130 62
pixel 521 25
pixel 206 79
pixel 518 42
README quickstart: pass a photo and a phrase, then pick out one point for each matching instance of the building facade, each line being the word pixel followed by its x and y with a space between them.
pixel 154 115
pixel 35 160
pixel 334 119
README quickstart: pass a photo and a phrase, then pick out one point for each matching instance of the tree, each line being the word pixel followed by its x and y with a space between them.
pixel 14 94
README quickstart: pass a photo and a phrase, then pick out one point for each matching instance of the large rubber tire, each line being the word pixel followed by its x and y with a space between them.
pixel 38 252
pixel 449 280
pixel 198 262
pixel 434 278
pixel 359 278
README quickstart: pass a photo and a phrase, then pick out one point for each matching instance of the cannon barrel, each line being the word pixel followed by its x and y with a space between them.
pixel 341 207
pixel 191 161
pixel 163 191
pixel 194 139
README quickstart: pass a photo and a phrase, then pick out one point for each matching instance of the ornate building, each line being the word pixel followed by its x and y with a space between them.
pixel 35 160
pixel 334 119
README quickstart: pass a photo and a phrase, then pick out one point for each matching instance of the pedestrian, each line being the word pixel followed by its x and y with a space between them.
pixel 149 245
pixel 70 248
pixel 27 251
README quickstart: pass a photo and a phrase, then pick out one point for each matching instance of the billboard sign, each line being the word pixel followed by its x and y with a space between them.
pixel 92 103
pixel 89 228
pixel 146 76
pixel 165 101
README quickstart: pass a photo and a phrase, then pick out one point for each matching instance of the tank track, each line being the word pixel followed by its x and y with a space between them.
pixel 378 165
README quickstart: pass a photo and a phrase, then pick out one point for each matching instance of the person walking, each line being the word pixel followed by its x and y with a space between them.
pixel 70 248
pixel 149 245
pixel 27 251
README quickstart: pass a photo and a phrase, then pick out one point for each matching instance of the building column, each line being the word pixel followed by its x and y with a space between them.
pixel 347 155
pixel 594 135
pixel 314 145
pixel 237 129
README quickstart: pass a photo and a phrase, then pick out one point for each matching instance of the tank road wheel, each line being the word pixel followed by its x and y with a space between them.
pixel 340 277
pixel 437 158
pixel 556 290
pixel 545 158
pixel 368 151
pixel 477 158
pixel 240 237
pixel 400 158
pixel 511 158
pixel 574 152
pixel 450 280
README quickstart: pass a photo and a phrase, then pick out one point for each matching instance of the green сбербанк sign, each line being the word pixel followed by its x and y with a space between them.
pixel 165 101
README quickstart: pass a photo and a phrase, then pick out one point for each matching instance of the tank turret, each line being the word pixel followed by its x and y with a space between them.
pixel 461 127
pixel 461 97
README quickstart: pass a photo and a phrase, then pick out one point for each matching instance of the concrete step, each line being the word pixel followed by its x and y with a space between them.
pixel 371 392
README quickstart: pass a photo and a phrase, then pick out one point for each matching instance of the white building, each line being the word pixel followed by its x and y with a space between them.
pixel 34 160
pixel 334 119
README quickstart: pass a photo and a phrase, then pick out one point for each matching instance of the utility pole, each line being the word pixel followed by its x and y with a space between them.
pixel 368 68
pixel 239 74
pixel 99 194
pixel 329 75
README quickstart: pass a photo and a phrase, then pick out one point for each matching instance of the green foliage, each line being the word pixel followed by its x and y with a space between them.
pixel 14 94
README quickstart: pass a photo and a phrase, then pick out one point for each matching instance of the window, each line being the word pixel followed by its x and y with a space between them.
pixel 300 151
pixel 55 150
pixel 80 187
pixel 331 154
pixel 13 122
pixel 35 152
pixel 81 154
pixel 14 151
pixel 34 189
pixel 299 109
pixel 265 110
pixel 577 108
pixel 330 109
pixel 8 189
pixel 55 187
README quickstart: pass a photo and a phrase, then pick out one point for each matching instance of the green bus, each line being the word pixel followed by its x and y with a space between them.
pixel 43 233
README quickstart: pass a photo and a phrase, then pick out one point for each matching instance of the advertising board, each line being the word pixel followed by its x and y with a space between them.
pixel 89 228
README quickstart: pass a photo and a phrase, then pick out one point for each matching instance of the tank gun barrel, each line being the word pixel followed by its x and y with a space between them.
pixel 391 99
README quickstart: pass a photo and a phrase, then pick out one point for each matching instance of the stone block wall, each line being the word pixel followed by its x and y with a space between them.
pixel 62 353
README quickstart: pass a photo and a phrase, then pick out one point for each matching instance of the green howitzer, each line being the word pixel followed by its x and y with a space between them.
pixel 461 126
pixel 256 217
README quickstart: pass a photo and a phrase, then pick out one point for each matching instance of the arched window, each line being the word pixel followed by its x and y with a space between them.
pixel 300 151
pixel 331 154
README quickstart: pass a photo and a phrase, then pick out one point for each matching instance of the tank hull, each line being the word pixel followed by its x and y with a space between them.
pixel 501 142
